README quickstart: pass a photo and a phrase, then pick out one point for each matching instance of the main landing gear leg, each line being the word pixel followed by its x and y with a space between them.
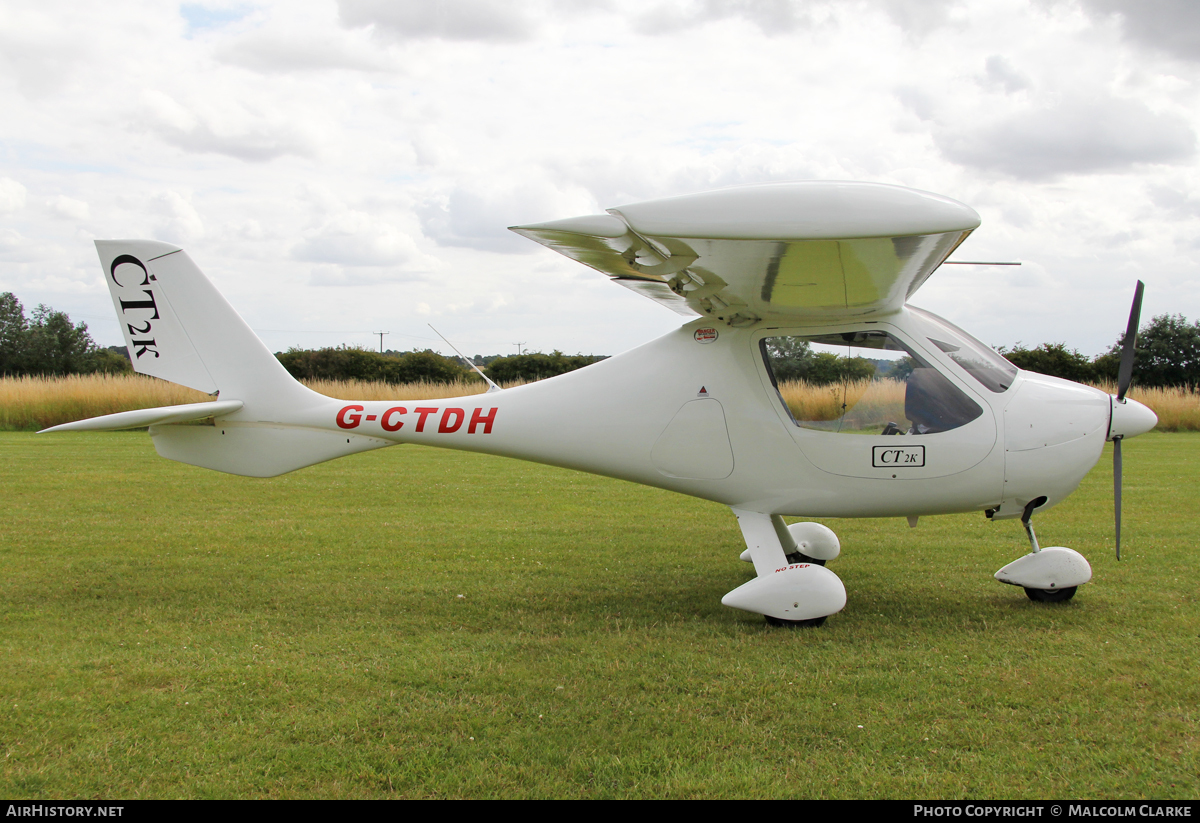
pixel 787 593
pixel 1050 575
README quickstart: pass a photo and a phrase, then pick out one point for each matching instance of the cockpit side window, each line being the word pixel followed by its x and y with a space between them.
pixel 863 382
pixel 981 362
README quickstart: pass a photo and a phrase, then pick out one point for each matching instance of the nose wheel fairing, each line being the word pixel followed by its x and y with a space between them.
pixel 1049 575
pixel 1053 568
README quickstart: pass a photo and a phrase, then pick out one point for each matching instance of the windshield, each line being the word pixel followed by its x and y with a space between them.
pixel 863 382
pixel 981 362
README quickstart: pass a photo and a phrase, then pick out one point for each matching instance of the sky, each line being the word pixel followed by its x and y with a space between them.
pixel 344 167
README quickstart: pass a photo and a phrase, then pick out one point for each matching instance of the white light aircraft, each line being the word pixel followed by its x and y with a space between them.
pixel 777 281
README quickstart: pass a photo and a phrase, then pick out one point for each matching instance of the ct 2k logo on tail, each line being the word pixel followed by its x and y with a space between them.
pixel 450 421
pixel 139 309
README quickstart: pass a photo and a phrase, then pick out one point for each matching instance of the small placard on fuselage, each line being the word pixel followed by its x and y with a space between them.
pixel 892 457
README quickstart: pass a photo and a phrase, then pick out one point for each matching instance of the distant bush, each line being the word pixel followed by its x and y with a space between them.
pixel 1167 354
pixel 49 344
pixel 792 359
pixel 537 366
pixel 353 363
pixel 1054 359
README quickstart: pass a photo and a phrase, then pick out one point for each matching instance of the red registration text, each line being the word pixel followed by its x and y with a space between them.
pixel 449 420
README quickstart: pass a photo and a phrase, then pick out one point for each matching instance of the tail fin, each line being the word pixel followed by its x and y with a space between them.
pixel 178 327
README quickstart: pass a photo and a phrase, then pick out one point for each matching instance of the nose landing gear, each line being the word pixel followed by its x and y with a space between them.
pixel 1049 575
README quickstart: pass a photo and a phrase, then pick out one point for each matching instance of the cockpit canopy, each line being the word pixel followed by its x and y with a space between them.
pixel 871 382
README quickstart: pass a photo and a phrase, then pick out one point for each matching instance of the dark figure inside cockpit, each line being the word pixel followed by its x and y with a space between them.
pixel 934 404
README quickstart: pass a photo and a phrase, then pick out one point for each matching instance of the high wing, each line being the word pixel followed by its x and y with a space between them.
pixel 790 250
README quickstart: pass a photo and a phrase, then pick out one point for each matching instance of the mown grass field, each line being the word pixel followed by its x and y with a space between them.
pixel 172 632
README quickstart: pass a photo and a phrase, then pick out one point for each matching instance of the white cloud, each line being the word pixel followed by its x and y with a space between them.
pixel 477 214
pixel 1075 137
pixel 999 71
pixel 250 229
pixel 772 17
pixel 177 220
pixel 18 248
pixel 355 238
pixel 283 53
pixel 920 17
pixel 493 20
pixel 69 208
pixel 614 178
pixel 223 127
pixel 12 196
pixel 1171 26
pixel 432 127
pixel 211 15
pixel 11 243
pixel 37 49
pixel 1178 204
pixel 919 102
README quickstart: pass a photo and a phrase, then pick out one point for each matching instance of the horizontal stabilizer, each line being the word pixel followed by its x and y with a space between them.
pixel 256 449
pixel 140 418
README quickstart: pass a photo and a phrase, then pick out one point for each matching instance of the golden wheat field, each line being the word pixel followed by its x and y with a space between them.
pixel 30 403
pixel 869 404
pixel 873 403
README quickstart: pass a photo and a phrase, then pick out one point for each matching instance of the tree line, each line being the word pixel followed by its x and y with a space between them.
pixel 1166 353
pixel 355 363
pixel 48 343
pixel 794 359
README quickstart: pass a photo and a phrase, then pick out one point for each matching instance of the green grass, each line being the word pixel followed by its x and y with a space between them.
pixel 173 632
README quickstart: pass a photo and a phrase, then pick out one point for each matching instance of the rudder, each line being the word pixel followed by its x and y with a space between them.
pixel 178 327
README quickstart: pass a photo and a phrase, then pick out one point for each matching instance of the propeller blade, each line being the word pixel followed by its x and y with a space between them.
pixel 1117 490
pixel 1125 375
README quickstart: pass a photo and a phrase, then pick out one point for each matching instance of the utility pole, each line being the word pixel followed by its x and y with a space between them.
pixel 381 334
pixel 519 345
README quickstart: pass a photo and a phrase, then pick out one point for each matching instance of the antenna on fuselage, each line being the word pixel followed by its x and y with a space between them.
pixel 491 385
